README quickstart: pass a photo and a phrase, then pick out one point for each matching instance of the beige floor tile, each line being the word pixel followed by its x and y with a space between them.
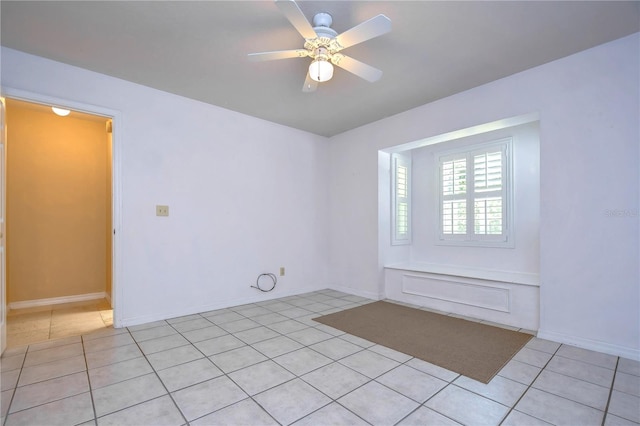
pixel 27 311
pixel 73 316
pixel 79 328
pixel 76 319
pixel 56 334
pixel 78 322
pixel 48 391
pixel 54 343
pixel 28 324
pixel 89 305
pixel 104 305
pixel 46 382
pixel 68 411
pixel 52 370
pixel 41 323
pixel 27 337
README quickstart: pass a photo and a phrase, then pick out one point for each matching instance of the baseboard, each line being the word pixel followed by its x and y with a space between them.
pixel 356 292
pixel 56 300
pixel 594 345
pixel 257 297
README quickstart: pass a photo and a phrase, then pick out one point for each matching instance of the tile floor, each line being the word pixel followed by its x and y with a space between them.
pixel 269 363
pixel 37 324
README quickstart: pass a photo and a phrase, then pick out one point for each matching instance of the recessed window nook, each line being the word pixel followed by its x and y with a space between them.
pixel 493 282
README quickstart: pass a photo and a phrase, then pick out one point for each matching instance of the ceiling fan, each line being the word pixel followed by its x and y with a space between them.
pixel 323 44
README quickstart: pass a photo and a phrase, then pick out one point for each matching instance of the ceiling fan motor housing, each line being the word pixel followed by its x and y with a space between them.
pixel 322 19
pixel 325 44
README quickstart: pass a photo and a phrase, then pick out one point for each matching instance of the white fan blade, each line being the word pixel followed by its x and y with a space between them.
pixel 293 13
pixel 356 67
pixel 374 27
pixel 278 54
pixel 310 85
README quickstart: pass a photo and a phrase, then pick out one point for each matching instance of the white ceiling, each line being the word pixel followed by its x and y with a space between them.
pixel 199 49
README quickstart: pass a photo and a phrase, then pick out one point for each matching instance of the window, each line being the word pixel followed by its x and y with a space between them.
pixel 401 197
pixel 475 195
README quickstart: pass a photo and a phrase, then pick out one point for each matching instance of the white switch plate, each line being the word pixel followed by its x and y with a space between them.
pixel 162 210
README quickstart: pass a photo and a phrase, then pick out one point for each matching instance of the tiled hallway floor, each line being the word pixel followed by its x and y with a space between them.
pixel 269 363
pixel 38 324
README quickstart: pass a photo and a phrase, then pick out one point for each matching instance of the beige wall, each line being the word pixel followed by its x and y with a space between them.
pixel 57 203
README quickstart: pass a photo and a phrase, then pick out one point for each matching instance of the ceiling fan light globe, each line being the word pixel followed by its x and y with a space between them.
pixel 321 71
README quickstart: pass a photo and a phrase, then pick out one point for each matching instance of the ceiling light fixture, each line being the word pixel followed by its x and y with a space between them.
pixel 61 111
pixel 321 70
pixel 322 44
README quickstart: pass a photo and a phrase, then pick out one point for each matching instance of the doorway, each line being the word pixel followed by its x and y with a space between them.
pixel 59 223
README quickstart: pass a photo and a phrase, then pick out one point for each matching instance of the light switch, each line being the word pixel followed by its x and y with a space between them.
pixel 162 210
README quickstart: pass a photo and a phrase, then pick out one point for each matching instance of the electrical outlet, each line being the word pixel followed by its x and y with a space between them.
pixel 162 210
pixel 282 271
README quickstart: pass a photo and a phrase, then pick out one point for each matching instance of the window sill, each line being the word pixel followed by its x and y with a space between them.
pixel 477 243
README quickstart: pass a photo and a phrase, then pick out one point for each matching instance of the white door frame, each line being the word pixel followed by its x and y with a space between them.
pixel 3 264
pixel 116 181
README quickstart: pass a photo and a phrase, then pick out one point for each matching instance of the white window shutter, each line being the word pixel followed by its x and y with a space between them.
pixel 401 199
pixel 474 200
pixel 453 194
pixel 488 179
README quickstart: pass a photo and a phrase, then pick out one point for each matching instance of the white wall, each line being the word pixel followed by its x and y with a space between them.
pixel 246 196
pixel 588 107
pixel 203 160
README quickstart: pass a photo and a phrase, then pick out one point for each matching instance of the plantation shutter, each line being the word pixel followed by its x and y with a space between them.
pixel 473 194
pixel 401 192
pixel 488 194
pixel 453 178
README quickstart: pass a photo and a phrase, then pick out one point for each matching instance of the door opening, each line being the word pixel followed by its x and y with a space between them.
pixel 61 186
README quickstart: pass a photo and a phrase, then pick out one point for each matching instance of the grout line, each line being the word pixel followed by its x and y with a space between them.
pixel 331 361
pixel 27 352
pixel 145 356
pixel 16 386
pixel 49 327
pixel 530 385
pixel 50 321
pixel 296 376
pixel 606 408
pixel 159 379
pixel 155 373
pixel 227 375
pixel 86 364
